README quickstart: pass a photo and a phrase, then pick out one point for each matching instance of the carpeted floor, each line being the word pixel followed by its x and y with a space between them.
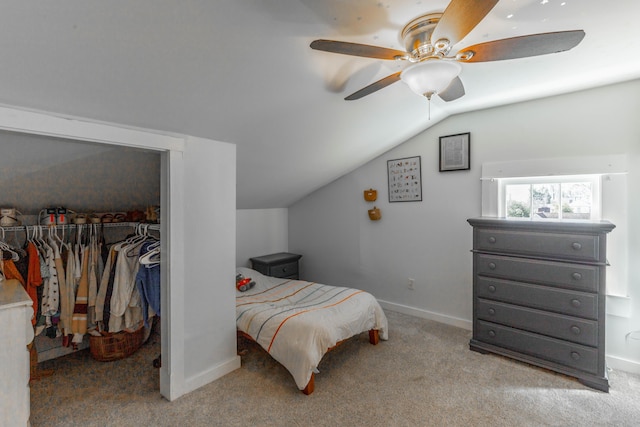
pixel 424 375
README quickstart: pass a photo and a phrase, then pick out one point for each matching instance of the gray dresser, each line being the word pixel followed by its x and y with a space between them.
pixel 539 294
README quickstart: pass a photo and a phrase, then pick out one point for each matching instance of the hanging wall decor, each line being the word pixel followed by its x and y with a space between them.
pixel 370 195
pixel 454 152
pixel 374 214
pixel 405 181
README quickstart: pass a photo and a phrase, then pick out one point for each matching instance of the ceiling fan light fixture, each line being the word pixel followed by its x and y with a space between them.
pixel 430 77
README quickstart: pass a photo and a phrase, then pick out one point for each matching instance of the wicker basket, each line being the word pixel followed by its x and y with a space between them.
pixel 108 346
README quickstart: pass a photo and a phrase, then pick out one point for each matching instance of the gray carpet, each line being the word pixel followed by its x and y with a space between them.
pixel 424 375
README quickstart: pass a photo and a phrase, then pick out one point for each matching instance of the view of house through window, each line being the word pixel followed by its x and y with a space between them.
pixel 568 197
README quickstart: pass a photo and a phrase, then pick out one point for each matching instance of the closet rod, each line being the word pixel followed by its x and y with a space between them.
pixel 155 227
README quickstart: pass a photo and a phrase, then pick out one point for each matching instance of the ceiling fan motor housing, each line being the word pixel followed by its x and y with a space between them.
pixel 416 37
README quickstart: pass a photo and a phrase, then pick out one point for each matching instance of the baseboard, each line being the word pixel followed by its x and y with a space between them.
pixel 623 364
pixel 197 381
pixel 424 314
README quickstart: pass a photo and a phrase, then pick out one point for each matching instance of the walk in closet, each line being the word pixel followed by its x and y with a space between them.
pixel 77 194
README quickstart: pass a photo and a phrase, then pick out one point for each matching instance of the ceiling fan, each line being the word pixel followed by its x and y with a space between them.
pixel 429 39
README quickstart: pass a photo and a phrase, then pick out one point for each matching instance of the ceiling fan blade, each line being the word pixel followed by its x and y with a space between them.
pixel 459 18
pixel 373 87
pixel 357 49
pixel 454 91
pixel 524 46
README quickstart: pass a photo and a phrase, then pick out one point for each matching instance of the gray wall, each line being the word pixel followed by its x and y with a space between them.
pixel 430 241
pixel 39 171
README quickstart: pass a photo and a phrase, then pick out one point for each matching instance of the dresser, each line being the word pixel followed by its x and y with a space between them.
pixel 16 309
pixel 539 294
pixel 281 264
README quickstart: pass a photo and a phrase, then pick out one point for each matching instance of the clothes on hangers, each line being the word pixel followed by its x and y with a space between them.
pixel 148 281
pixel 79 319
pixel 74 291
pixel 34 278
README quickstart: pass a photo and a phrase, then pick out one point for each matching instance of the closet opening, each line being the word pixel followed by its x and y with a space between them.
pixel 73 191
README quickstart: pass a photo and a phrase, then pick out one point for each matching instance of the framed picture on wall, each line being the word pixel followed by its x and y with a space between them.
pixel 454 152
pixel 405 181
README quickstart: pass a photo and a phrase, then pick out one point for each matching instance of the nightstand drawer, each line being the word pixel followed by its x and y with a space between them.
pixel 566 353
pixel 284 270
pixel 564 301
pixel 568 328
pixel 561 274
pixel 579 247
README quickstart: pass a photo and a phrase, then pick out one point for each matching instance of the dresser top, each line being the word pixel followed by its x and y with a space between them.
pixel 12 294
pixel 577 226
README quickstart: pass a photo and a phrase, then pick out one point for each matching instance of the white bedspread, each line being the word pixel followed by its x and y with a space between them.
pixel 296 321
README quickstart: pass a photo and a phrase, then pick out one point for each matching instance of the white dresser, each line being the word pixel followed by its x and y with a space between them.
pixel 16 310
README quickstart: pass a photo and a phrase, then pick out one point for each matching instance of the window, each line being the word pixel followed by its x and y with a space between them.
pixel 557 197
pixel 563 188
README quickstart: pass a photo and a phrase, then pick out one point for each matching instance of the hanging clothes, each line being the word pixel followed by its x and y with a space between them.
pixel 103 299
pixel 94 276
pixel 126 310
pixel 66 307
pixel 34 278
pixel 50 304
pixel 148 282
pixel 79 319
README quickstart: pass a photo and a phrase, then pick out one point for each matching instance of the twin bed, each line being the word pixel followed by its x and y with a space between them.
pixel 297 322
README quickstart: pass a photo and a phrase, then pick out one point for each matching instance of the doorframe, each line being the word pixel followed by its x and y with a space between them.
pixel 172 214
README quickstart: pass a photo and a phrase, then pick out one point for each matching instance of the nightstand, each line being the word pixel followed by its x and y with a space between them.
pixel 282 264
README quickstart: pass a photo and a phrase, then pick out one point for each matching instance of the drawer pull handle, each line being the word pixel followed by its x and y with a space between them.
pixel 492 288
pixel 492 334
pixel 576 276
pixel 575 330
pixel 492 239
pixel 492 311
pixel 575 355
pixel 492 265
pixel 576 303
pixel 576 246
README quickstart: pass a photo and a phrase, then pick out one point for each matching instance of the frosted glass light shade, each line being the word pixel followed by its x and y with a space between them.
pixel 428 77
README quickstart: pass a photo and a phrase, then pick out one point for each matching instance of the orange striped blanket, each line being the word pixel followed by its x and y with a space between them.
pixel 296 321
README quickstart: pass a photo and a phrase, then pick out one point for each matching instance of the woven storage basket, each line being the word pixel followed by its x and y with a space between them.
pixel 108 346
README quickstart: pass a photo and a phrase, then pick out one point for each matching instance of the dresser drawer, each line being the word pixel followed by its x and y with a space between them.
pixel 573 303
pixel 579 247
pixel 561 274
pixel 551 349
pixel 569 328
pixel 284 270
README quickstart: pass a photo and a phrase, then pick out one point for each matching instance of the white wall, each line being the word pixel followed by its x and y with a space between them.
pixel 209 331
pixel 260 232
pixel 430 241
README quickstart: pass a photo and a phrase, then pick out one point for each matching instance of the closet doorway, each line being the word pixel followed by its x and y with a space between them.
pixel 82 157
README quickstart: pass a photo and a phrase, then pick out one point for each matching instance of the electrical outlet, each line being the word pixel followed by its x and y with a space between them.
pixel 411 282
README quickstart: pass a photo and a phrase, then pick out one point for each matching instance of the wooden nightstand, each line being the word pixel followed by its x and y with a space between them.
pixel 282 264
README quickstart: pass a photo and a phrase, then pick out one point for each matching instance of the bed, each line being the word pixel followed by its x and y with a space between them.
pixel 297 321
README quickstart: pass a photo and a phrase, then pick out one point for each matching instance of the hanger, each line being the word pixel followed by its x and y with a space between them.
pixel 152 256
pixel 133 243
pixel 5 247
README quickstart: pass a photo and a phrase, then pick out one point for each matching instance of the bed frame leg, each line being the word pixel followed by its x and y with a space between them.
pixel 310 385
pixel 374 336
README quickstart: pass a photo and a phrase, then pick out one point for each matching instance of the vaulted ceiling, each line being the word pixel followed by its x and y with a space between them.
pixel 242 72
